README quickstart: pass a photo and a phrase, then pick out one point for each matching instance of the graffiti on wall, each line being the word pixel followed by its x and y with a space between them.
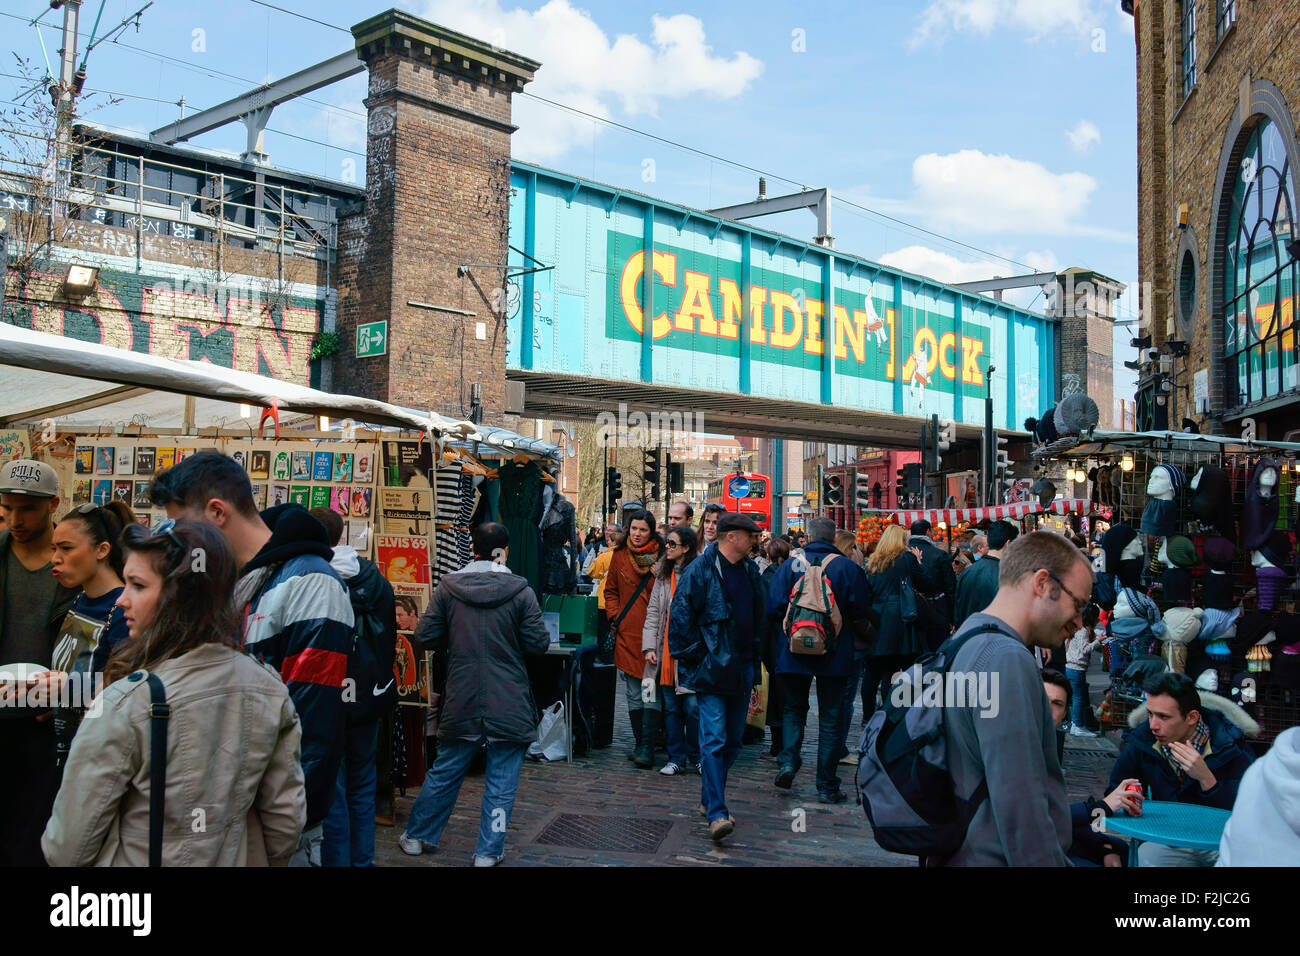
pixel 155 316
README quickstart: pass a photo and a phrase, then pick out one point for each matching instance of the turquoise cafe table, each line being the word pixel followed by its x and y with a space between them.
pixel 1171 824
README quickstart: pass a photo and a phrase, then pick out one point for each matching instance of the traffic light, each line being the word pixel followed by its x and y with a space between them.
pixel 614 484
pixel 942 435
pixel 913 478
pixel 1001 458
pixel 832 493
pixel 676 476
pixel 862 490
pixel 650 470
pixel 900 483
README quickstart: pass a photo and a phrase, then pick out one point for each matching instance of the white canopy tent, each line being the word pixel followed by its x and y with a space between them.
pixel 83 384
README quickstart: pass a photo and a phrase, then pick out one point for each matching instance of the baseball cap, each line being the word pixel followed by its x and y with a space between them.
pixel 735 522
pixel 27 477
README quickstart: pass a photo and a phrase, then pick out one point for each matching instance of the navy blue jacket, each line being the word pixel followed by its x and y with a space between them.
pixel 1228 760
pixel 849 582
pixel 702 633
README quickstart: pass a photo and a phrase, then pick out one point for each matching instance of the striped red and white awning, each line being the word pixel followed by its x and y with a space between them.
pixel 1014 512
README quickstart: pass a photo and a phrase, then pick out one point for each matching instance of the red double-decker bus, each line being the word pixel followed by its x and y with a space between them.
pixel 746 494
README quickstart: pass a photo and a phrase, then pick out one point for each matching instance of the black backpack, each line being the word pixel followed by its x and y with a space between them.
pixel 904 777
pixel 374 649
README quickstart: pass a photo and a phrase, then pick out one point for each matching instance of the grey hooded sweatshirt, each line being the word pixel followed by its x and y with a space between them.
pixel 485 620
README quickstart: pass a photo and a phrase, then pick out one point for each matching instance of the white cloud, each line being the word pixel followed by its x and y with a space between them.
pixel 1038 18
pixel 931 263
pixel 1083 136
pixel 583 68
pixel 971 190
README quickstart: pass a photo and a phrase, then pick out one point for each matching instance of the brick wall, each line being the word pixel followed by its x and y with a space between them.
pixel 1180 143
pixel 437 197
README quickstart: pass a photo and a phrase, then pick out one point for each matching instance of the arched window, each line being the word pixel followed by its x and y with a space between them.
pixel 1259 271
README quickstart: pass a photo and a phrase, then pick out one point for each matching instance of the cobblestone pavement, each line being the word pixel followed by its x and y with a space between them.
pixel 602 811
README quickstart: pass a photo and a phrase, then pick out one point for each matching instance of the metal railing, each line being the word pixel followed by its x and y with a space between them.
pixel 116 188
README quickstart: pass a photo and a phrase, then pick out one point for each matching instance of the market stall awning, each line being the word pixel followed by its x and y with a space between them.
pixel 101 384
pixel 1020 509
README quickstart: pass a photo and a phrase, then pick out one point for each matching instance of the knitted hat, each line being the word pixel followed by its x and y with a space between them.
pixel 1216 623
pixel 1177 480
pixel 1133 603
pixel 1244 691
pixel 1212 501
pixel 1113 543
pixel 1182 624
pixel 1181 551
pixel 1209 680
pixel 1259 516
pixel 1252 627
pixel 1277 549
pixel 1219 553
pixel 1177 584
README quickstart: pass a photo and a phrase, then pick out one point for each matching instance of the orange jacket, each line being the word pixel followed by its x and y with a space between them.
pixel 620 584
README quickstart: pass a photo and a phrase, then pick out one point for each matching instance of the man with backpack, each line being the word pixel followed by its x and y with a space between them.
pixel 988 789
pixel 829 596
pixel 370 691
pixel 941 584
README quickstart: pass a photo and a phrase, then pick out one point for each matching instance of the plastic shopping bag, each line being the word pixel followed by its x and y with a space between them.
pixel 758 704
pixel 552 734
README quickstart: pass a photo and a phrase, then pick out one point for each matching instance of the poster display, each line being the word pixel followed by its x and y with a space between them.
pixel 15 443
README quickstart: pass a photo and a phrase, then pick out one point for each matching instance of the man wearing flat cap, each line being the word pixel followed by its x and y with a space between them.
pixel 713 634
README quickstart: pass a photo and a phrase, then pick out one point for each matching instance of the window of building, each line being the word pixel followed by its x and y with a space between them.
pixel 1259 272
pixel 1226 15
pixel 1186 293
pixel 1189 46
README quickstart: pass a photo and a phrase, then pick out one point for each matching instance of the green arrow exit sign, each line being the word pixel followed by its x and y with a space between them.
pixel 372 339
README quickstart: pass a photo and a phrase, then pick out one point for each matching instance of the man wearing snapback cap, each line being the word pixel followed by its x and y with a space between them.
pixel 32 607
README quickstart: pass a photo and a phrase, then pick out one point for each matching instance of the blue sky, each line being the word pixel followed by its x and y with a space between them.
pixel 1008 126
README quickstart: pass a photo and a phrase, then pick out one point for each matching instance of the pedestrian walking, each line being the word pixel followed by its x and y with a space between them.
pixel 938 586
pixel 349 829
pixel 977 587
pixel 627 596
pixel 713 635
pixel 708 530
pixel 893 567
pixel 34 607
pixel 295 612
pixel 796 672
pixel 1001 741
pixel 681 718
pixel 484 620
pixel 182 652
pixel 1078 655
pixel 778 553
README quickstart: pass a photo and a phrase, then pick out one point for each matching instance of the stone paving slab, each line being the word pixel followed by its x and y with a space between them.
pixel 773 827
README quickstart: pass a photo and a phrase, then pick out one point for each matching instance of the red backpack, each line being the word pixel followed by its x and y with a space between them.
pixel 812 621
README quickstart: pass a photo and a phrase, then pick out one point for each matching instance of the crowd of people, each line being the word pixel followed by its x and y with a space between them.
pixel 235 625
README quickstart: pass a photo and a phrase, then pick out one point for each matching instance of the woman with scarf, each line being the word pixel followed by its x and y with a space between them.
pixel 627 596
pixel 681 719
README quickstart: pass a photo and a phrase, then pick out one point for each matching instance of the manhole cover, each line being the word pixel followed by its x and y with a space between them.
pixel 616 834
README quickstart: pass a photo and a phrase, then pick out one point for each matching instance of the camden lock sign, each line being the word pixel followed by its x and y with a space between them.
pixel 700 307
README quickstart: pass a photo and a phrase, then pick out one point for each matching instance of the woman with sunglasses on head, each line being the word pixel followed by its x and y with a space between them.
pixel 88 559
pixel 232 735
pixel 681 719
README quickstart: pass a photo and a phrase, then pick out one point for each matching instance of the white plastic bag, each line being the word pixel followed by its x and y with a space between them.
pixel 552 734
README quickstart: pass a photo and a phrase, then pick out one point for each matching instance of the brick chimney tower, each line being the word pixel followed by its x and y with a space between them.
pixel 437 199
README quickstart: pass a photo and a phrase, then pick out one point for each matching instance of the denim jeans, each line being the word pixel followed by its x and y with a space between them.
pixel 857 680
pixel 830 699
pixel 349 827
pixel 437 797
pixel 722 724
pixel 1081 713
pixel 682 725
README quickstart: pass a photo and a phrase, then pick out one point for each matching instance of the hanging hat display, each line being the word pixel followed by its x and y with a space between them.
pixel 1076 414
pixel 1160 517
pixel 1218 624
pixel 1217 584
pixel 1271 578
pixel 1209 680
pixel 1244 692
pixel 1182 552
pixel 1212 501
pixel 1182 624
pixel 1259 517
pixel 1258 658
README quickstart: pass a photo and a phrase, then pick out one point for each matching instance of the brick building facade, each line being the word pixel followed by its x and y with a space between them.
pixel 1218 82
